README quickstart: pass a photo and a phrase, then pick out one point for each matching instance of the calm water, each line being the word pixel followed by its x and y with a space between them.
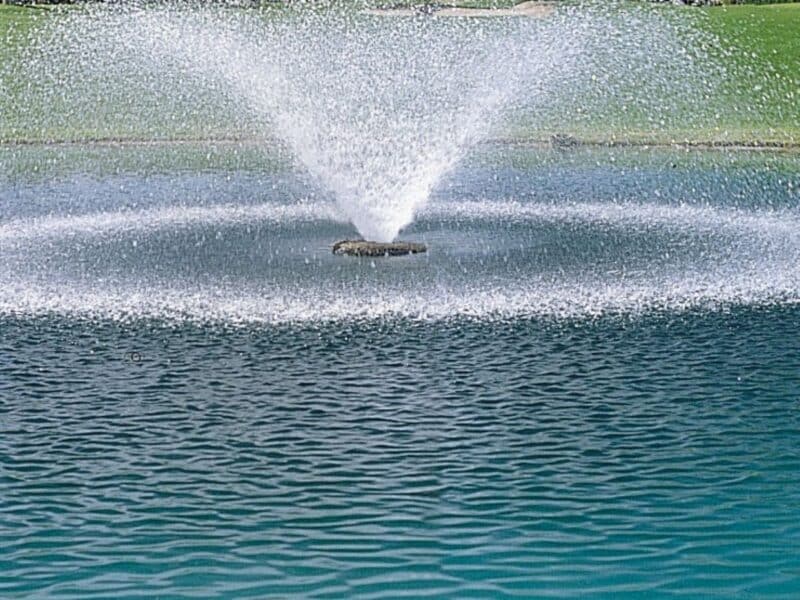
pixel 590 386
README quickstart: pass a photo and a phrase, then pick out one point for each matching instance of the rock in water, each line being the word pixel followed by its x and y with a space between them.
pixel 364 248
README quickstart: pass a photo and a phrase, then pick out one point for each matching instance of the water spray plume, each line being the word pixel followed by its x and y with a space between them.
pixel 376 108
pixel 387 123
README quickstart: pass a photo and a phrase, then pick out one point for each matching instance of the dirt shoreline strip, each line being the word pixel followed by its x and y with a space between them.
pixel 532 8
pixel 520 142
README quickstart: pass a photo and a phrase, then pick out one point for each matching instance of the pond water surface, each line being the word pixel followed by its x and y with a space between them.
pixel 589 386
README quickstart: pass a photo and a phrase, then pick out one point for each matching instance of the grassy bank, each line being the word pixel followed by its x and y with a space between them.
pixel 763 101
pixel 756 102
pixel 753 55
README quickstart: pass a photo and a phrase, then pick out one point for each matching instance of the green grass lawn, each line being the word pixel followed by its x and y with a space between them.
pixel 16 24
pixel 15 21
pixel 763 102
pixel 757 102
pixel 19 18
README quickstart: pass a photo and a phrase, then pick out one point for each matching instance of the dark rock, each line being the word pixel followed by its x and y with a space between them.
pixel 562 140
pixel 364 248
pixel 698 2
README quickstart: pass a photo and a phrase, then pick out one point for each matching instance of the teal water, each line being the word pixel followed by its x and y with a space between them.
pixel 590 386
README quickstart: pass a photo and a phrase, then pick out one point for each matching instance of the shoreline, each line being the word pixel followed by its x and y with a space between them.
pixel 556 142
pixel 537 9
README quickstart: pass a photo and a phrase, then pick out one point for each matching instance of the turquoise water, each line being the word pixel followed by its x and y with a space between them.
pixel 590 386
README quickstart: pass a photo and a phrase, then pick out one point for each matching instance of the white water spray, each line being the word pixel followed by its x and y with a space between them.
pixel 376 109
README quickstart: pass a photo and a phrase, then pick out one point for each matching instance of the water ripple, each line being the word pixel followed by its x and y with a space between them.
pixel 464 459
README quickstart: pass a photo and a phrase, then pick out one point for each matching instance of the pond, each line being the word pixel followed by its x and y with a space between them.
pixel 588 385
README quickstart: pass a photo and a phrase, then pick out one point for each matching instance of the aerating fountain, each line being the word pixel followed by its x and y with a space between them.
pixel 587 388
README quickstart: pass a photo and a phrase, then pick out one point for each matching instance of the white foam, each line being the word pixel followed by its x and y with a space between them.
pixel 150 220
pixel 479 300
pixel 759 263
pixel 683 216
pixel 773 223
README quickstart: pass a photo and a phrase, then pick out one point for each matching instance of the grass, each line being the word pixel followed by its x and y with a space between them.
pixel 15 21
pixel 757 103
pixel 764 99
pixel 16 24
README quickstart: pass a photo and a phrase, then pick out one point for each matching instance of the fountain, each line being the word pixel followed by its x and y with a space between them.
pixel 192 183
pixel 588 387
pixel 376 109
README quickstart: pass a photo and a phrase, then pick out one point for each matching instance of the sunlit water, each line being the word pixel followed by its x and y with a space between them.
pixel 588 387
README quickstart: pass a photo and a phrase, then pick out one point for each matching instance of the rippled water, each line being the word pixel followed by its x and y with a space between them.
pixel 590 385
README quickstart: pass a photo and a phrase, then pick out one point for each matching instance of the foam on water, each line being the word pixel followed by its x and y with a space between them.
pixel 572 299
pixel 773 223
pixel 173 217
pixel 734 256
